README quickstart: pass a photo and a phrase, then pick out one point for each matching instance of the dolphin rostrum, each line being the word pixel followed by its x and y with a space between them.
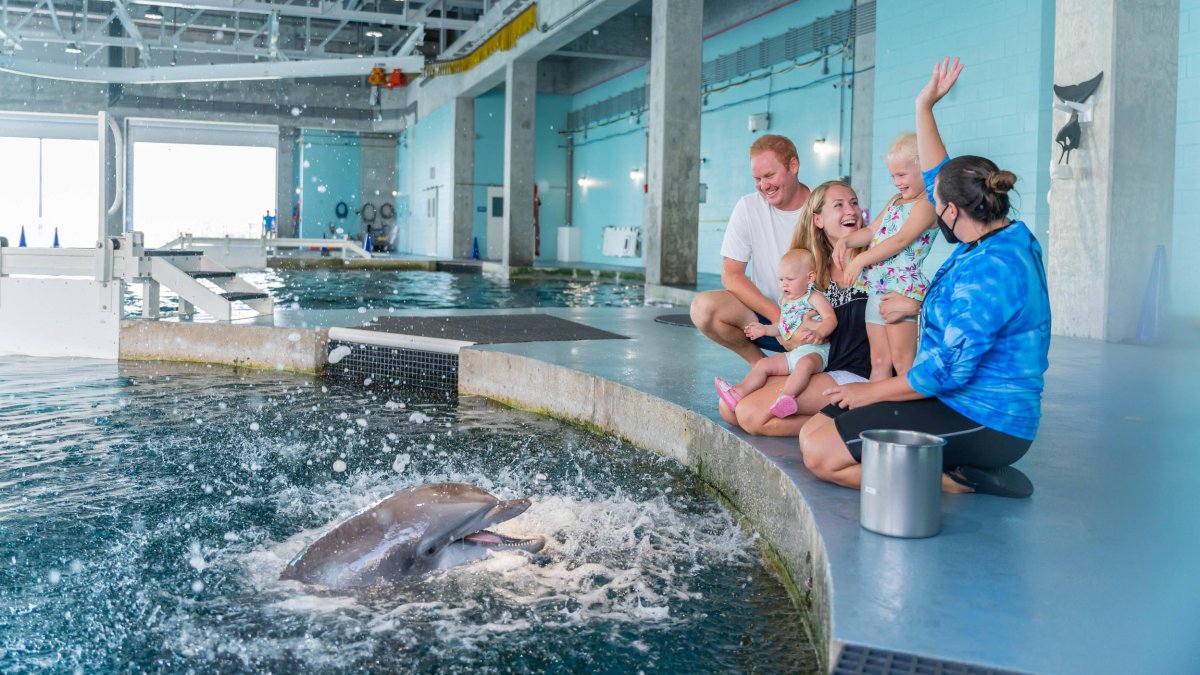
pixel 412 532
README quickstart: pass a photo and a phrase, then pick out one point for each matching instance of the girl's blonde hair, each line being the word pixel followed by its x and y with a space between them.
pixel 812 238
pixel 904 149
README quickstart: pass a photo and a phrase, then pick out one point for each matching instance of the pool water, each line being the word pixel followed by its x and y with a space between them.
pixel 146 510
pixel 407 289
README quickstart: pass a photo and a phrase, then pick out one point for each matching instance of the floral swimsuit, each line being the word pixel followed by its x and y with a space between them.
pixel 900 273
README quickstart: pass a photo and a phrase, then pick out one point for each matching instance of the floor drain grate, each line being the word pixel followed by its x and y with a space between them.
pixel 380 366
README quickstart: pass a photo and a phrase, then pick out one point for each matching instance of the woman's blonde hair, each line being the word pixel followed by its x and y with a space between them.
pixel 811 238
pixel 904 149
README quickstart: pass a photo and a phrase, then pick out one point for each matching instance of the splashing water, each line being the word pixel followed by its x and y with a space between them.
pixel 146 525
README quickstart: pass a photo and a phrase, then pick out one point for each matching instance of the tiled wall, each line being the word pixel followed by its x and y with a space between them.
pixel 1001 106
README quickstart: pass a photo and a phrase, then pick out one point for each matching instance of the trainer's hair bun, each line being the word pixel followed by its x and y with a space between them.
pixel 1001 180
pixel 977 186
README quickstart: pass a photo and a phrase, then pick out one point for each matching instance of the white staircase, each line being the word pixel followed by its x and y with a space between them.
pixel 199 281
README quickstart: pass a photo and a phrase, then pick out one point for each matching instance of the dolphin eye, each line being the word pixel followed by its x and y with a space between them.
pixel 429 551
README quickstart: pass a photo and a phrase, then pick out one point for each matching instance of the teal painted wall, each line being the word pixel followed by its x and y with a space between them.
pixel 550 170
pixel 404 198
pixel 802 100
pixel 430 179
pixel 1001 106
pixel 489 157
pixel 1185 245
pixel 603 194
pixel 330 172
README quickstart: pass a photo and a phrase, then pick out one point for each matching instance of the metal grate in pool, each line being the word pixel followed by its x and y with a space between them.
pixel 388 366
pixel 857 660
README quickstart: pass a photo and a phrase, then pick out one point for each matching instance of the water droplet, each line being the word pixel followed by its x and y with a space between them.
pixel 54 576
pixel 254 426
pixel 197 586
pixel 339 466
pixel 321 188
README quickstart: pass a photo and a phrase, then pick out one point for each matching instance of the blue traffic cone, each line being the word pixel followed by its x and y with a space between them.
pixel 367 243
pixel 475 248
pixel 22 243
pixel 56 238
pixel 1152 326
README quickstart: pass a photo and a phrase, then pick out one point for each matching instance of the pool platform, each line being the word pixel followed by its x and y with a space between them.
pixel 1093 574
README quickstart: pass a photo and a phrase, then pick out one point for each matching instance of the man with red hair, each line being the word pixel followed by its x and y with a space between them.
pixel 759 232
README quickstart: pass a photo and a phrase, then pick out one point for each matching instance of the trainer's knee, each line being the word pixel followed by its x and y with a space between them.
pixel 817 447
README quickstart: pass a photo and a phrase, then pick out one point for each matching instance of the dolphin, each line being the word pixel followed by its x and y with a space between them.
pixel 409 533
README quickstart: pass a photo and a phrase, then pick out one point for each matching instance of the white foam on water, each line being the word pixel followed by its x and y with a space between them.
pixel 340 352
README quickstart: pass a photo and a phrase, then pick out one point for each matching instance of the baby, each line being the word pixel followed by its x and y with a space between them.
pixel 802 360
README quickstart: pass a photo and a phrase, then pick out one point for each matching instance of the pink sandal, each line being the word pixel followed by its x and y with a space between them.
pixel 785 406
pixel 727 393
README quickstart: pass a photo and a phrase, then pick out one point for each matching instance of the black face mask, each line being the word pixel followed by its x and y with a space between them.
pixel 947 230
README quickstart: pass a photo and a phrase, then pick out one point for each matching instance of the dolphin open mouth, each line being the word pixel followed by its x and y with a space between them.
pixel 495 540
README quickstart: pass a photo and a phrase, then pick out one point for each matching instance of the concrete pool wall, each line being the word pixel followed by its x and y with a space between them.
pixel 746 480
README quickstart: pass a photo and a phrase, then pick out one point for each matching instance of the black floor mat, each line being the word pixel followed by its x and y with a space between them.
pixel 492 328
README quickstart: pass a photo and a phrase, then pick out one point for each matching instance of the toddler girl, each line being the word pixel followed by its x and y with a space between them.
pixel 900 238
pixel 801 360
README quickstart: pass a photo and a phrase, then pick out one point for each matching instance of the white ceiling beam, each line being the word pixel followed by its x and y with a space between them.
pixel 10 37
pixel 122 13
pixel 326 11
pixel 415 37
pixel 54 17
pixel 231 72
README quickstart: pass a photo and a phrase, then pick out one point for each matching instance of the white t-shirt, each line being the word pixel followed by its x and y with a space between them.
pixel 759 234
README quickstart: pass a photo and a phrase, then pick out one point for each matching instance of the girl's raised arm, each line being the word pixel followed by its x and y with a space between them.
pixel 929 141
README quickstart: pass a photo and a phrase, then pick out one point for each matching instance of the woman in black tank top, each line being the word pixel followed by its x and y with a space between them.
pixel 832 212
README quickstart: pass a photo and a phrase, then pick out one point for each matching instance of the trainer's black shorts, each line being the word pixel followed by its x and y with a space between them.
pixel 767 342
pixel 968 443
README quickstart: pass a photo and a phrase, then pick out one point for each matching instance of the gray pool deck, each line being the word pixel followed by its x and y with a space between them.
pixel 1096 573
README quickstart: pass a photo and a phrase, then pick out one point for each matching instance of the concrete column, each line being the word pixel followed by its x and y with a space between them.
pixel 520 106
pixel 1114 208
pixel 862 119
pixel 672 211
pixel 285 181
pixel 462 201
pixel 378 177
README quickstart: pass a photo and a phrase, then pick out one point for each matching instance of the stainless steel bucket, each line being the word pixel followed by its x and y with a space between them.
pixel 901 483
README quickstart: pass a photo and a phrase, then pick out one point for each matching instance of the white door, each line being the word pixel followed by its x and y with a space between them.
pixel 495 222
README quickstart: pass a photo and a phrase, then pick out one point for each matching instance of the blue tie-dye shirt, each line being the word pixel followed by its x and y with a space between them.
pixel 985 331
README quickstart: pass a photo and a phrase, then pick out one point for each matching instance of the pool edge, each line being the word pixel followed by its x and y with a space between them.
pixel 756 489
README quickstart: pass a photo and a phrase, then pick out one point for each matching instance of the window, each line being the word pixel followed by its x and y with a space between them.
pixel 48 184
pixel 203 190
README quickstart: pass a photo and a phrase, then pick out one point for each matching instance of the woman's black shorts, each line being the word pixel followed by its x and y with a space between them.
pixel 968 443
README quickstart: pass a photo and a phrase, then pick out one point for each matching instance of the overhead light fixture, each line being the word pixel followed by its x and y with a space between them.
pixel 373 33
pixel 72 48
pixel 823 147
pixel 155 12
pixel 636 175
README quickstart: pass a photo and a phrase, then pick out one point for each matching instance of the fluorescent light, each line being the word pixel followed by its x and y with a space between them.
pixel 72 48
pixel 824 147
pixel 373 33
pixel 155 12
